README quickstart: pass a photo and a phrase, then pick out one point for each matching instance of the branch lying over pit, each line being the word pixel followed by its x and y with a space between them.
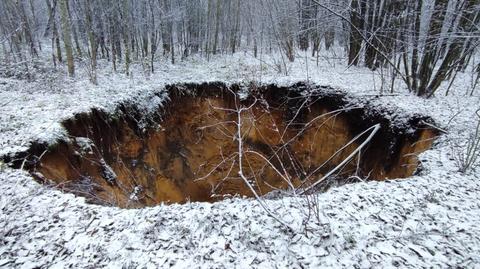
pixel 374 129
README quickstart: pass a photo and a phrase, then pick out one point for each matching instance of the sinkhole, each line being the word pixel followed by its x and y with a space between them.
pixel 188 149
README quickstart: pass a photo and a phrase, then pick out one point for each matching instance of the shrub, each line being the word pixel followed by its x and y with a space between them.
pixel 467 155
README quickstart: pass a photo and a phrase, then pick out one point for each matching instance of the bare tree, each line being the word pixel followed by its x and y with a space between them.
pixel 67 39
pixel 92 41
pixel 401 36
pixel 55 38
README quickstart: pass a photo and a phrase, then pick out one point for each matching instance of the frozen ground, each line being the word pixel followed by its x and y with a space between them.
pixel 429 220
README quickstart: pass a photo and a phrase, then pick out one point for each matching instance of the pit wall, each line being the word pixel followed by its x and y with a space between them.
pixel 188 152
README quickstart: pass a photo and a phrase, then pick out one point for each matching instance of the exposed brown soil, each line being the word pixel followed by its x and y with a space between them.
pixel 188 151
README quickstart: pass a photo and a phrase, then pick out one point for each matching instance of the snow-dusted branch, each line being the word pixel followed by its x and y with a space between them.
pixel 374 129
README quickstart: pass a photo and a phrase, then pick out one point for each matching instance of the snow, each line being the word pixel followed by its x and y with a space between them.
pixel 428 220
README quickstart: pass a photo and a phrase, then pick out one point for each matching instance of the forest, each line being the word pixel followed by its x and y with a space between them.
pixel 420 43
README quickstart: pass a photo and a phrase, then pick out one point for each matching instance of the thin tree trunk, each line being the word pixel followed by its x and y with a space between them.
pixel 208 29
pixel 172 48
pixel 469 19
pixel 74 32
pixel 153 39
pixel 67 39
pixel 431 44
pixel 91 39
pixel 217 26
pixel 356 11
pixel 126 37
pixel 35 23
pixel 27 29
pixel 416 36
pixel 55 38
pixel 305 17
pixel 233 43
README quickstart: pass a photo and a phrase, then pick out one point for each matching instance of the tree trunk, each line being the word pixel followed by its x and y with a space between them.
pixel 416 36
pixel 113 35
pixel 431 44
pixel 67 39
pixel 126 36
pixel 217 26
pixel 91 40
pixel 356 11
pixel 329 38
pixel 208 28
pixel 26 29
pixel 153 39
pixel 469 19
pixel 305 23
pixel 233 43
pixel 74 32
pixel 55 37
pixel 172 48
pixel 166 30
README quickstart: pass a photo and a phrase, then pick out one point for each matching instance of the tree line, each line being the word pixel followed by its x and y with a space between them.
pixel 424 43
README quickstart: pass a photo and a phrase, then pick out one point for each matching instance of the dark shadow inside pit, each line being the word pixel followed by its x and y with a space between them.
pixel 188 150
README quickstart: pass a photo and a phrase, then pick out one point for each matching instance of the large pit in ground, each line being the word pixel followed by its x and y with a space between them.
pixel 188 150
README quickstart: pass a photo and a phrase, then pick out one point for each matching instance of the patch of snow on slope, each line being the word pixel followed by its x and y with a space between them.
pixel 429 220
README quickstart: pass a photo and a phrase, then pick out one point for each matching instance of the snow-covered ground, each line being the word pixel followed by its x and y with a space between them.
pixel 429 220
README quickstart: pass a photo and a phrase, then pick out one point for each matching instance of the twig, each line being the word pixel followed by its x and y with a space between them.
pixel 375 128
